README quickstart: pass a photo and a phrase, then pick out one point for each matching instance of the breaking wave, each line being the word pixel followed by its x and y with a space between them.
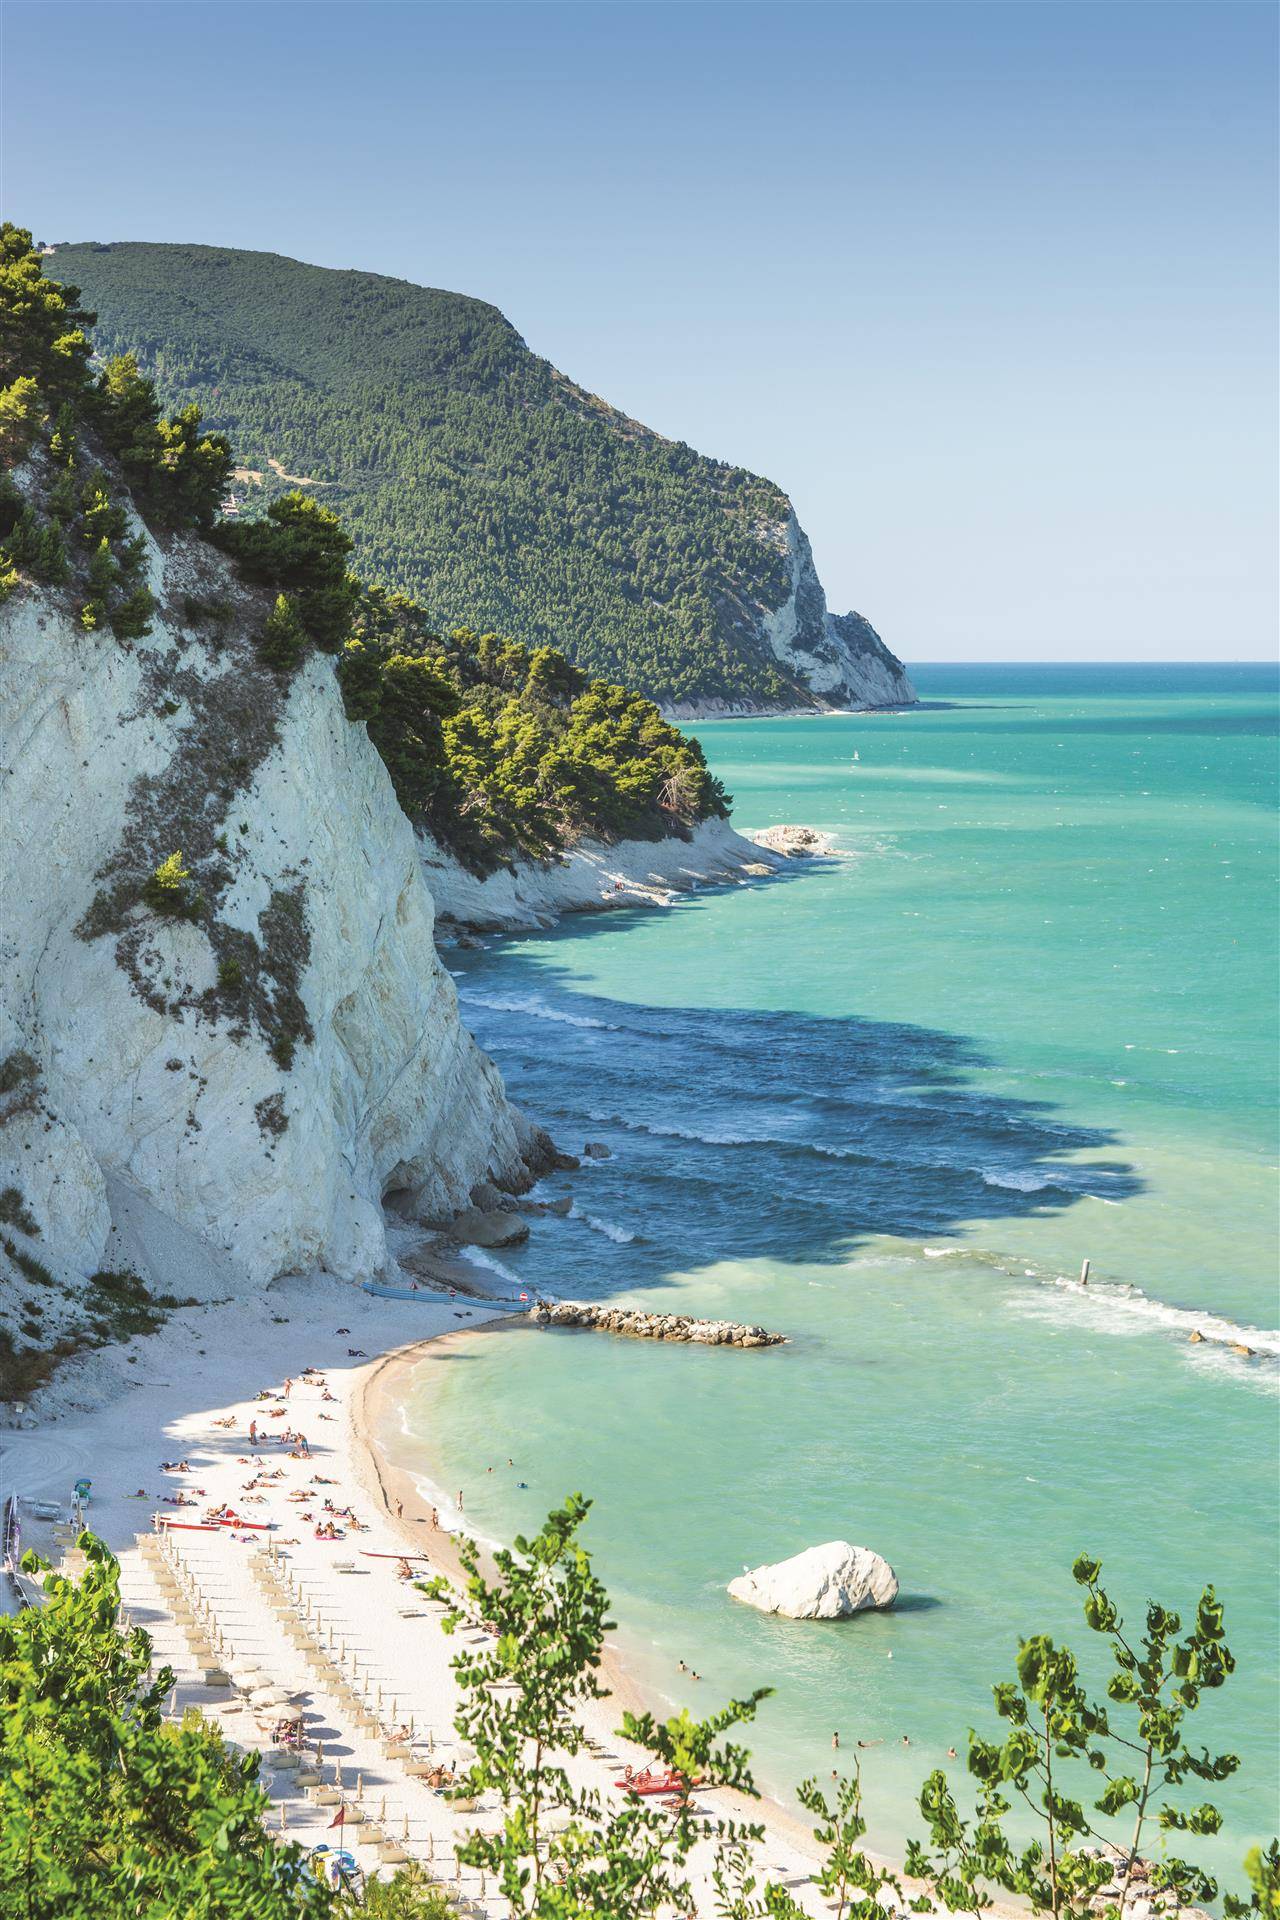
pixel 536 1008
pixel 619 1235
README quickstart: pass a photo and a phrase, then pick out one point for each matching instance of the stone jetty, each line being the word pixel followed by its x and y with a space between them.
pixel 637 1324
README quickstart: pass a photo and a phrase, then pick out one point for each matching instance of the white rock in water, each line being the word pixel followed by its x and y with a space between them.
pixel 822 1583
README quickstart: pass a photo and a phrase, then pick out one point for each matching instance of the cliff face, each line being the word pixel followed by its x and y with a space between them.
pixel 220 1100
pixel 839 657
pixel 827 659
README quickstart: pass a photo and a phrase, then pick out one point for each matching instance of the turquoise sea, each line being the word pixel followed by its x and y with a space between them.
pixel 888 1106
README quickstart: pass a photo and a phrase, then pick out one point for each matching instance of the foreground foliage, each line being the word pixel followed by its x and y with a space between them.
pixel 106 1809
pixel 565 1850
pixel 1075 1763
pixel 110 1812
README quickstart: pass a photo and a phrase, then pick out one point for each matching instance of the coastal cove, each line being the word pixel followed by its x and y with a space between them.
pixel 889 1110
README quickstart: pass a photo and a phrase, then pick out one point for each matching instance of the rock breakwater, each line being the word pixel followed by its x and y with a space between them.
pixel 636 1324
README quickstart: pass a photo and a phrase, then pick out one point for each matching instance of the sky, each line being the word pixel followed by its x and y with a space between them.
pixel 990 290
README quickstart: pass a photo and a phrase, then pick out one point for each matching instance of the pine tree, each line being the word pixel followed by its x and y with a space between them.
pixel 19 417
pixel 284 638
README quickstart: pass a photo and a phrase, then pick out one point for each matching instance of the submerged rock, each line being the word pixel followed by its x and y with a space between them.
pixel 822 1583
pixel 475 1228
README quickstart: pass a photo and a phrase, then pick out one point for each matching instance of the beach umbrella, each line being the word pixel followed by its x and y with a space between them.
pixel 268 1697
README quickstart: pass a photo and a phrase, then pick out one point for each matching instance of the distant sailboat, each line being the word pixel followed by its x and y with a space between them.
pixel 855 756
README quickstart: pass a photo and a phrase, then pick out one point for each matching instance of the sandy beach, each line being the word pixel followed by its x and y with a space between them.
pixel 316 1358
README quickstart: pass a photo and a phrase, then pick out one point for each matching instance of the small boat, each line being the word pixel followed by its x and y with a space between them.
pixel 651 1781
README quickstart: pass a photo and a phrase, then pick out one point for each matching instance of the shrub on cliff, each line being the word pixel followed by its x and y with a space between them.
pixel 167 892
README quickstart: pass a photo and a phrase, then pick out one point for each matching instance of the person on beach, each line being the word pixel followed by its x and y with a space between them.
pixel 288 1388
pixel 253 1433
pixel 399 1509
pixel 435 1518
pixel 459 1499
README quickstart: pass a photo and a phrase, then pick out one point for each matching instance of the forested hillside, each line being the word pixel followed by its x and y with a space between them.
pixel 470 473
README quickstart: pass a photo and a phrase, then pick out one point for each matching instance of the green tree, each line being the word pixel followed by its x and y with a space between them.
pixel 42 325
pixel 20 414
pixel 847 1875
pixel 1262 1869
pixel 408 1895
pixel 284 638
pixel 301 545
pixel 106 1809
pixel 178 473
pixel 561 1850
pixel 1133 1747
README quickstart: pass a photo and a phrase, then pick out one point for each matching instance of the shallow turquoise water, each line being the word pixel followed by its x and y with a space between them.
pixel 889 1106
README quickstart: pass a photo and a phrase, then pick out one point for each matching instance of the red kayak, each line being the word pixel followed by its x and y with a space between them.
pixel 187 1526
pixel 651 1781
pixel 369 1554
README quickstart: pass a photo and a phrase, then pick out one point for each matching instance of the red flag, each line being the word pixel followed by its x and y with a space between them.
pixel 339 1818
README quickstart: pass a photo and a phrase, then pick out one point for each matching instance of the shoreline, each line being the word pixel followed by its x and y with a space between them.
pixel 594 877
pixel 378 1394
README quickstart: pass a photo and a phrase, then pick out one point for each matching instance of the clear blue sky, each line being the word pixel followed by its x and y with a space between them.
pixel 990 289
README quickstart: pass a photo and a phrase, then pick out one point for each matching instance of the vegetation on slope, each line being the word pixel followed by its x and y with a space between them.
pixel 472 475
pixel 498 749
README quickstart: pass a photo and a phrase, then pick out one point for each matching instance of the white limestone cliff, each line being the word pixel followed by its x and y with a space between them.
pixel 840 657
pixel 834 660
pixel 593 877
pixel 144 1116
